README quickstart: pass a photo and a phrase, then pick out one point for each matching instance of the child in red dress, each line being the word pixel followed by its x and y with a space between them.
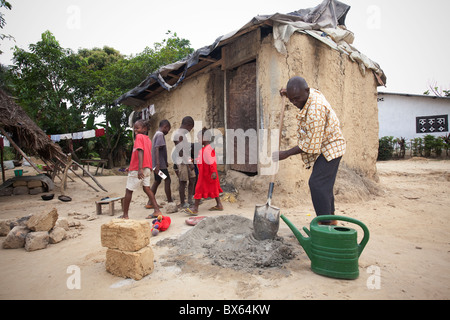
pixel 208 184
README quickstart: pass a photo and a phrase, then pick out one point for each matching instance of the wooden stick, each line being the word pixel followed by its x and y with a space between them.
pixel 64 179
pixel 88 173
pixel 18 149
pixel 3 166
pixel 84 180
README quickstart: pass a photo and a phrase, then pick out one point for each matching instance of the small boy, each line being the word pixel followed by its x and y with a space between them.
pixel 140 169
pixel 159 160
pixel 184 166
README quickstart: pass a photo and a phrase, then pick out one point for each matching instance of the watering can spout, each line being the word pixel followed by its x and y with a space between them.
pixel 304 242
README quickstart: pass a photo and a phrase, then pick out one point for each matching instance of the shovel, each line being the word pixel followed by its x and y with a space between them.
pixel 266 220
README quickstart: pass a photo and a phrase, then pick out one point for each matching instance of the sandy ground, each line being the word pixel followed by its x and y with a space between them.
pixel 407 256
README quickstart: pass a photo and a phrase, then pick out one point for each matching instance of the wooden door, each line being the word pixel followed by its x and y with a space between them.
pixel 241 114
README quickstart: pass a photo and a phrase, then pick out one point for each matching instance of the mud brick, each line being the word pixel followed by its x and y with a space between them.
pixel 34 184
pixel 134 265
pixel 36 190
pixel 20 183
pixel 126 235
pixel 21 190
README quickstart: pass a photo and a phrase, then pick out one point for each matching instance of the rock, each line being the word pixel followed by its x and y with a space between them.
pixel 57 234
pixel 135 265
pixel 171 207
pixel 62 223
pixel 36 240
pixel 81 217
pixel 43 221
pixel 76 225
pixel 20 222
pixel 16 238
pixel 23 220
pixel 20 190
pixel 5 227
pixel 127 235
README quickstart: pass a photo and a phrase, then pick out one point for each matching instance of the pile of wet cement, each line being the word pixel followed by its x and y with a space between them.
pixel 228 241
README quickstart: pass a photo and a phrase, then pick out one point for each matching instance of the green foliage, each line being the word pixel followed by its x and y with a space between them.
pixel 433 145
pixel 417 147
pixel 438 92
pixel 386 148
pixel 8 154
pixel 7 5
pixel 39 80
pixel 66 91
pixel 428 146
pixel 446 143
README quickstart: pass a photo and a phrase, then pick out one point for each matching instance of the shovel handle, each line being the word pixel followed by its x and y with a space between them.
pixel 269 195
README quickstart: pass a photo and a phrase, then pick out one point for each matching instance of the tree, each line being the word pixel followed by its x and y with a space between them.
pixel 104 75
pixel 439 92
pixel 39 80
pixel 7 5
pixel 61 89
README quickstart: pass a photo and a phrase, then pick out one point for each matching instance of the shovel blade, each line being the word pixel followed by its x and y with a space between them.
pixel 266 222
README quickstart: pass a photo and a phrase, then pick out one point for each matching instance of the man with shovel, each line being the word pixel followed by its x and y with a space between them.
pixel 320 143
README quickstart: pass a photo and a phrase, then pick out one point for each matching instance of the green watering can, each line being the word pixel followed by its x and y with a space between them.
pixel 333 250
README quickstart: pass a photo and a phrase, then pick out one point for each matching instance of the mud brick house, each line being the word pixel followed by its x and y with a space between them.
pixel 234 84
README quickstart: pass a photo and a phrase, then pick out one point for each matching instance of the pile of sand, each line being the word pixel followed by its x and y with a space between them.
pixel 228 241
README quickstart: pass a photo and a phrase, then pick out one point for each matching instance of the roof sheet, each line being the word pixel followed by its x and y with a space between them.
pixel 320 22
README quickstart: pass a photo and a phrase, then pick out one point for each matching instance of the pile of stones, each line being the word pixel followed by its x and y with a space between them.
pixel 34 232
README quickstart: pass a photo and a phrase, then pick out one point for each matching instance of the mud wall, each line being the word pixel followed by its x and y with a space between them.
pixel 188 99
pixel 352 95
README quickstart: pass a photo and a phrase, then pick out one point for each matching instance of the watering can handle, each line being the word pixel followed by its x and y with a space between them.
pixel 365 239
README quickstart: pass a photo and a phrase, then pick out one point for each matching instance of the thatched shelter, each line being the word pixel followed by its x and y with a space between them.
pixel 29 139
pixel 26 134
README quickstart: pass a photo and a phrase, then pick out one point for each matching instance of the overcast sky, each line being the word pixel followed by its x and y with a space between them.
pixel 409 39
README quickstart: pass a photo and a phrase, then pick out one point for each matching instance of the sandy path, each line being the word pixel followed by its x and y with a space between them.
pixel 409 248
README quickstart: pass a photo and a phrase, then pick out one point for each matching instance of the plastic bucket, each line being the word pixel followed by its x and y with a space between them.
pixel 18 173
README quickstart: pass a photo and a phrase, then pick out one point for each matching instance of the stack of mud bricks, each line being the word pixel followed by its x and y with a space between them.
pixel 21 187
pixel 129 254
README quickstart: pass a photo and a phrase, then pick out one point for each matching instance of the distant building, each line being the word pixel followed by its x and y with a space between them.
pixel 412 116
